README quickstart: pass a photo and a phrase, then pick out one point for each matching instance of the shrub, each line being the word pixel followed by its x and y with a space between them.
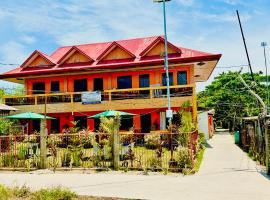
pixel 202 140
pixel 151 140
pixel 21 192
pixel 66 159
pixel 8 160
pixel 5 193
pixel 87 141
pixel 184 158
pixel 57 193
pixel 155 163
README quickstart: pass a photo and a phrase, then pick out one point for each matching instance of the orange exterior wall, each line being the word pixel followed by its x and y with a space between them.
pixel 110 79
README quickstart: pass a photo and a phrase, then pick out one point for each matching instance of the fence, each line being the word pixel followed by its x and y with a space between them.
pixel 93 150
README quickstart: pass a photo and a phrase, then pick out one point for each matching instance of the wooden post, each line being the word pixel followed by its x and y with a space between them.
pixel 194 104
pixel 267 151
pixel 43 144
pixel 116 159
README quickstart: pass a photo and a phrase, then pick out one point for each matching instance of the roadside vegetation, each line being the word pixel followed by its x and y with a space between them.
pixel 56 193
pixel 231 100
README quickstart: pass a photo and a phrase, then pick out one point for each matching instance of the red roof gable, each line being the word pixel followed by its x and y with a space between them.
pixel 70 50
pixel 43 55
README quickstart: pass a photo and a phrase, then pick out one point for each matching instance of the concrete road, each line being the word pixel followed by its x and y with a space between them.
pixel 226 173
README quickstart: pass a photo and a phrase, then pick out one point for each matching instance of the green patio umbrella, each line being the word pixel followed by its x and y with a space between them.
pixel 111 113
pixel 28 115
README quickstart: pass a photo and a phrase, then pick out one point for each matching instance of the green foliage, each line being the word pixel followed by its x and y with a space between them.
pixel 57 193
pixel 230 99
pixel 155 163
pixel 202 141
pixel 5 193
pixel 184 158
pixel 8 160
pixel 21 192
pixel 199 158
pixel 5 126
pixel 151 140
pixel 109 125
pixel 187 124
pixel 186 104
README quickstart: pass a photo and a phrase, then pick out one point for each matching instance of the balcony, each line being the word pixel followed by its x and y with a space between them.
pixel 118 99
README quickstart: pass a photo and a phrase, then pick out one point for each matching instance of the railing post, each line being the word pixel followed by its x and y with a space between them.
pixel 151 94
pixel 194 104
pixel 36 100
pixel 71 98
pixel 110 96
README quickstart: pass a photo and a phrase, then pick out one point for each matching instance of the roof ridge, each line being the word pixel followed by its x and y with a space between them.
pixel 95 43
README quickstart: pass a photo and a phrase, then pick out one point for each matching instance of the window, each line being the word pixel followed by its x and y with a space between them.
pixel 164 81
pixel 39 88
pixel 144 80
pixel 182 78
pixel 80 85
pixel 55 86
pixel 124 82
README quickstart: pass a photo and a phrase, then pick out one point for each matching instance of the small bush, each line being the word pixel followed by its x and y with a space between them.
pixel 57 193
pixel 5 193
pixel 184 158
pixel 21 192
pixel 202 140
pixel 151 141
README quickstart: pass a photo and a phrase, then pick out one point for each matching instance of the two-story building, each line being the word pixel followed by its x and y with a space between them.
pixel 129 74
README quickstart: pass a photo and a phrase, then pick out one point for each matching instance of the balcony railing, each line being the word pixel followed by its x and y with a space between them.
pixel 107 95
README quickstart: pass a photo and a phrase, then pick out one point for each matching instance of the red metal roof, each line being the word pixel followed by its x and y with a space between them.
pixel 135 47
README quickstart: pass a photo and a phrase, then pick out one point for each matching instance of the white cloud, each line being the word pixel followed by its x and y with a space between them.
pixel 28 39
pixel 185 2
pixel 13 52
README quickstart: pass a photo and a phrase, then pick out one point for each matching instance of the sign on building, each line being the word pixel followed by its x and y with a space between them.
pixel 91 97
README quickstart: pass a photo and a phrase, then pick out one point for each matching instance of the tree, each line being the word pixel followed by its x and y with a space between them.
pixel 230 99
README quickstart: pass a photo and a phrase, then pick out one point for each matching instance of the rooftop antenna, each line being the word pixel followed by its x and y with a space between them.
pixel 244 40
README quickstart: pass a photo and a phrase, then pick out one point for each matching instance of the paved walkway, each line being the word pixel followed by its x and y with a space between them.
pixel 226 173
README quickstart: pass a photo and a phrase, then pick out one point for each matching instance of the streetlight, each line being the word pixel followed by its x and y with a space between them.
pixel 264 44
pixel 169 113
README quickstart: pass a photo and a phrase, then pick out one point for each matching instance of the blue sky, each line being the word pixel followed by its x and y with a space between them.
pixel 207 25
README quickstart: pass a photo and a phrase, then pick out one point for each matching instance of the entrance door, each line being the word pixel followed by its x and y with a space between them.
pixel 126 123
pixel 55 125
pixel 146 123
pixel 36 126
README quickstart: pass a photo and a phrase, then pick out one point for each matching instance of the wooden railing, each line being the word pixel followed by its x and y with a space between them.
pixel 107 95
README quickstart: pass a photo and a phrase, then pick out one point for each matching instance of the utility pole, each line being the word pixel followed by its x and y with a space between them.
pixel 264 44
pixel 244 40
pixel 169 113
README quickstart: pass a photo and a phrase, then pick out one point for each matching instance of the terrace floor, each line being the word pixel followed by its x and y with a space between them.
pixel 226 173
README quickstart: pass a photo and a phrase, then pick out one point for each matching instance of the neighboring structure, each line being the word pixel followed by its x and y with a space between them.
pixel 5 110
pixel 82 80
pixel 206 123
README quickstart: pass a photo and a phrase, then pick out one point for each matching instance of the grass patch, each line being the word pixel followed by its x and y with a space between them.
pixel 5 193
pixel 24 193
pixel 57 193
pixel 199 159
